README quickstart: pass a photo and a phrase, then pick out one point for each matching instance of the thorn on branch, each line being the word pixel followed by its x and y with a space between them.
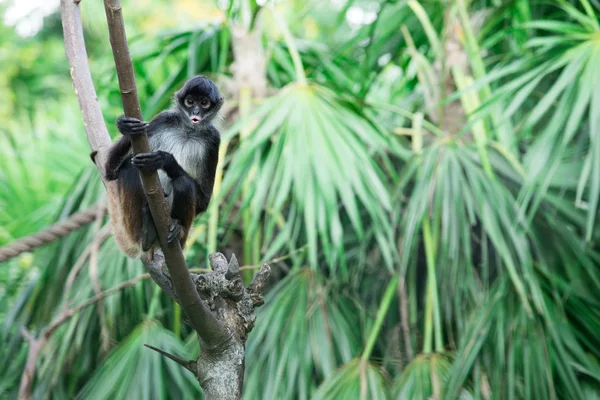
pixel 189 365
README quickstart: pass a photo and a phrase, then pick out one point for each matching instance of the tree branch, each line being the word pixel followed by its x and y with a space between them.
pixel 219 369
pixel 201 320
pixel 189 365
pixel 217 305
pixel 93 121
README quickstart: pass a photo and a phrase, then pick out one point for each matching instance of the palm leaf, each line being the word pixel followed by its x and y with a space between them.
pixel 335 168
pixel 358 379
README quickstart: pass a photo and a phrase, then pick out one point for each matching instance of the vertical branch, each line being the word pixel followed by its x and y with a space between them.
pixel 35 346
pixel 222 332
pixel 93 121
pixel 203 322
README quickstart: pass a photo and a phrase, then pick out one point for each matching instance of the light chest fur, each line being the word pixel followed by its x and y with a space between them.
pixel 189 149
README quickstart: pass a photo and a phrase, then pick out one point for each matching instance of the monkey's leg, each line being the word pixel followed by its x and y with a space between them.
pixel 202 198
pixel 183 209
pixel 149 235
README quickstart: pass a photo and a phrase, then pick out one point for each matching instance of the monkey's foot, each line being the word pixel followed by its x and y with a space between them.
pixel 174 232
pixel 131 126
pixel 148 161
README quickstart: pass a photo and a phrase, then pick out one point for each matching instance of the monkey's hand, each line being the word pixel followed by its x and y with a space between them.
pixel 131 126
pixel 149 162
pixel 174 231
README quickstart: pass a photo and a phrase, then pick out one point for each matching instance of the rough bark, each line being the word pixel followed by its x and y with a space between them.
pixel 216 305
pixel 219 368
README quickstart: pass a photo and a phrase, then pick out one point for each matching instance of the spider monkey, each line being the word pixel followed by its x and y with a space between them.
pixel 184 149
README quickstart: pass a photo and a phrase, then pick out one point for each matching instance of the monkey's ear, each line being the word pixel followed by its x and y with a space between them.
pixel 179 96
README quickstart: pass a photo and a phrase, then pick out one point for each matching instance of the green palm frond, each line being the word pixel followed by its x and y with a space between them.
pixel 504 340
pixel 315 152
pixel 31 190
pixel 552 94
pixel 134 371
pixel 358 379
pixel 303 333
pixel 452 187
pixel 425 377
pixel 56 259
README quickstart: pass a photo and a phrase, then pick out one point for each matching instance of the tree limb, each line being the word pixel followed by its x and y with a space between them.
pixel 217 305
pixel 201 320
pixel 93 121
pixel 219 369
pixel 189 365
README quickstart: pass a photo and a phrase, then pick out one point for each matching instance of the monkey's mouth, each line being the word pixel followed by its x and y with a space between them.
pixel 195 119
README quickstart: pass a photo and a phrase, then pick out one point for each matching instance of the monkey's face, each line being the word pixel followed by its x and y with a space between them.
pixel 197 108
pixel 199 98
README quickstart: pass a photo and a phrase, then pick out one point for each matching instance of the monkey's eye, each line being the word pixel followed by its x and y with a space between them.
pixel 205 103
pixel 189 102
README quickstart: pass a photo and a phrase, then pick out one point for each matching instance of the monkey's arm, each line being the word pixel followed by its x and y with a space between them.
pixel 204 186
pixel 160 160
pixel 184 190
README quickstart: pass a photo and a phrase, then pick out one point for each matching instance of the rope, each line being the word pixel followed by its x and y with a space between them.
pixel 54 232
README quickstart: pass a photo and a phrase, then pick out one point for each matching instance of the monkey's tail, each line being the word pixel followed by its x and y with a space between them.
pixel 128 245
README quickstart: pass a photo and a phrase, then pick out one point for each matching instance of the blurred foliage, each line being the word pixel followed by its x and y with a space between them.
pixel 448 151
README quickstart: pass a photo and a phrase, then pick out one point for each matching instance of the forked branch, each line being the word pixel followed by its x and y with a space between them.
pixel 203 322
pixel 216 305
